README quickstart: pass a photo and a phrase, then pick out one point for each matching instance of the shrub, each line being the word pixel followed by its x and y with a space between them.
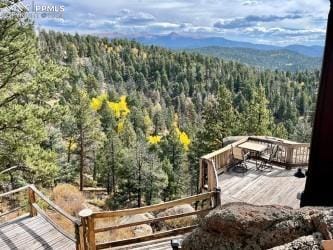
pixel 69 198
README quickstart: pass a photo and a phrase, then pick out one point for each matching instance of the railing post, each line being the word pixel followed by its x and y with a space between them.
pixel 218 201
pixel 88 229
pixel 32 200
pixel 289 154
pixel 79 237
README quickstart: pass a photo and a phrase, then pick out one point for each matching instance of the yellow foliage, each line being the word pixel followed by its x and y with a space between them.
pixel 114 106
pixel 120 109
pixel 154 139
pixel 183 137
pixel 185 140
pixel 123 106
pixel 96 102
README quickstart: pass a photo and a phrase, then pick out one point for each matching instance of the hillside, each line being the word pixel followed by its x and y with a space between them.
pixel 177 41
pixel 131 118
pixel 285 60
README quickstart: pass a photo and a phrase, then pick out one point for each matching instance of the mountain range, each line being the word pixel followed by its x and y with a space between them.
pixel 281 59
pixel 288 58
pixel 176 41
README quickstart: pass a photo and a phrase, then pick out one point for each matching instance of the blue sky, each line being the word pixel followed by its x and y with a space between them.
pixel 278 22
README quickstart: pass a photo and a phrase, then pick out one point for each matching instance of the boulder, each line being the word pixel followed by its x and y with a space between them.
pixel 135 218
pixel 182 221
pixel 139 230
pixel 142 230
pixel 186 208
pixel 311 242
pixel 245 226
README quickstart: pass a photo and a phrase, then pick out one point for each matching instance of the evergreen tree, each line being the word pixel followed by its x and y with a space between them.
pixel 26 105
pixel 257 119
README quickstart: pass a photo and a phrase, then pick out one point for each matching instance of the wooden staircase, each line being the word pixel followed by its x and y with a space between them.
pixel 36 229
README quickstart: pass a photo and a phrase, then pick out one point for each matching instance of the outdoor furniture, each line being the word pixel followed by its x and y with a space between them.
pixel 239 158
pixel 266 159
pixel 255 148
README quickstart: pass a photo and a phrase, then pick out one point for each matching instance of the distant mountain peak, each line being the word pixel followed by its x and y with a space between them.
pixel 175 40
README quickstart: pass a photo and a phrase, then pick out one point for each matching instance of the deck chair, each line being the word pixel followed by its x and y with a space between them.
pixel 239 158
pixel 266 159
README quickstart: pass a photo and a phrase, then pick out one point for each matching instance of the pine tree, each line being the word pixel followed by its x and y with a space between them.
pixel 87 133
pixel 257 119
pixel 27 104
pixel 220 121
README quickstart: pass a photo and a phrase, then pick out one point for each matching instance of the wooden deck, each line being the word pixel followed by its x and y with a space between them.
pixel 32 233
pixel 161 244
pixel 276 186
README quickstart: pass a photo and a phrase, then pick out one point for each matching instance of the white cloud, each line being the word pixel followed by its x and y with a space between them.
pixel 252 20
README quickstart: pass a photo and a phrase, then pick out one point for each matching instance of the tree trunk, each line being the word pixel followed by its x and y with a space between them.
pixel 139 184
pixel 69 151
pixel 81 157
pixel 113 187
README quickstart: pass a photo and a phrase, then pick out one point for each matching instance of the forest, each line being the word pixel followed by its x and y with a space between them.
pixel 131 118
pixel 281 59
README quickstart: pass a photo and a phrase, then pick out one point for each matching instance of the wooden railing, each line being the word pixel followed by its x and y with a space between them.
pixel 86 229
pixel 289 154
pixel 33 209
pixel 90 219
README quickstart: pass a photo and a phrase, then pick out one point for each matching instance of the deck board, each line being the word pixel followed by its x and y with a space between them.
pixel 160 244
pixel 32 233
pixel 276 186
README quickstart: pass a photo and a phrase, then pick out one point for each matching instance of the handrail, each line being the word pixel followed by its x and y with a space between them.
pixel 170 217
pixel 89 220
pixel 152 208
pixel 224 149
pixel 34 208
pixel 14 191
pixel 73 219
pixel 155 236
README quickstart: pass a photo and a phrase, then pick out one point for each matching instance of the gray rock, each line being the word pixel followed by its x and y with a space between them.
pixel 311 242
pixel 245 226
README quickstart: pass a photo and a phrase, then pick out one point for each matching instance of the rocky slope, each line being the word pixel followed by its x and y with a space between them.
pixel 245 226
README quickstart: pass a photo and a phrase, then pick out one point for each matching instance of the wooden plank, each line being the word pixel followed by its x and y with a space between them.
pixel 146 238
pixel 52 223
pixel 35 230
pixel 152 208
pixel 253 146
pixel 91 233
pixel 32 200
pixel 21 236
pixel 14 191
pixel 220 151
pixel 94 189
pixel 151 245
pixel 10 222
pixel 170 217
pixel 327 244
pixel 12 225
pixel 11 211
